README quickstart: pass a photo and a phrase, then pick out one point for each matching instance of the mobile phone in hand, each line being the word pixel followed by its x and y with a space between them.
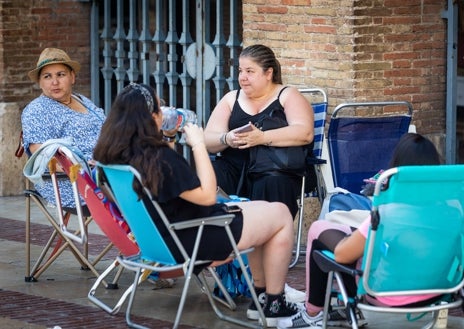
pixel 231 208
pixel 244 129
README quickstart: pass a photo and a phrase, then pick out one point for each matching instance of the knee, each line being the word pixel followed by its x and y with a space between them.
pixel 315 229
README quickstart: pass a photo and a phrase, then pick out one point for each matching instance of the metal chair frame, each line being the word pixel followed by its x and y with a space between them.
pixel 406 195
pixel 320 112
pixel 155 255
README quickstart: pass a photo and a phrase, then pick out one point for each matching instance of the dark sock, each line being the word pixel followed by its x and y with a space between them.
pixel 259 290
pixel 271 298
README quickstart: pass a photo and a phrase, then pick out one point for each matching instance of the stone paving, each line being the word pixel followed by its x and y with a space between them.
pixel 59 298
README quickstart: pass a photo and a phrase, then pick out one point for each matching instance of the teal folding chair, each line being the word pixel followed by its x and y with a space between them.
pixel 155 254
pixel 415 244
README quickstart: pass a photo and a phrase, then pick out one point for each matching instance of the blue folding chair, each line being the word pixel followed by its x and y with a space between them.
pixel 320 112
pixel 155 254
pixel 360 145
pixel 415 245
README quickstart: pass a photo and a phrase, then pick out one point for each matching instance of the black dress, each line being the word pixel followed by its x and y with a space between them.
pixel 230 167
pixel 178 176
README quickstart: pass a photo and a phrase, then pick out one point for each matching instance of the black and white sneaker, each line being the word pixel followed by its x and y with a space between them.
pixel 337 318
pixel 252 311
pixel 301 320
pixel 278 309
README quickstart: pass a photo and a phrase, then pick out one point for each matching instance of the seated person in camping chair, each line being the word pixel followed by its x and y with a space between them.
pixel 61 115
pixel 348 247
pixel 184 193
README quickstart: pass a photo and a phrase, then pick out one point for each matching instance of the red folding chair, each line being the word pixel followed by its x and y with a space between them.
pixel 108 218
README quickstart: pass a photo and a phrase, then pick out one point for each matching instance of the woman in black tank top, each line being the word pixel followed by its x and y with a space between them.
pixel 261 91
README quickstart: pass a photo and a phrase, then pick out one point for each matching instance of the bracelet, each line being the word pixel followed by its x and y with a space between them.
pixel 225 139
pixel 222 139
pixel 169 139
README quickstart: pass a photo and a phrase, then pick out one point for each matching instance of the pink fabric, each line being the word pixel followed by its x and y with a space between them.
pixel 315 230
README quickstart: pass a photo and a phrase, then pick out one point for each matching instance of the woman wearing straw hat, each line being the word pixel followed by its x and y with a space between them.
pixel 59 113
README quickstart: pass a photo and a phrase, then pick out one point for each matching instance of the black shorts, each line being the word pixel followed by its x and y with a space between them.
pixel 215 244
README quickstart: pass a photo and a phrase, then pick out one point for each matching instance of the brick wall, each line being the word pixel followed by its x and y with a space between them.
pixel 359 50
pixel 27 27
pixel 356 49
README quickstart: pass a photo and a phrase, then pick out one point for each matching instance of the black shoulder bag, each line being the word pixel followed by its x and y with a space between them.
pixel 271 160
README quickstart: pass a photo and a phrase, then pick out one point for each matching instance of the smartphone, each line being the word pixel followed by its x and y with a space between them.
pixel 244 129
pixel 231 208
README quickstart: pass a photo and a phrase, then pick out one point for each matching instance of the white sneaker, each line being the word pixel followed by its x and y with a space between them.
pixel 301 320
pixel 252 311
pixel 294 296
pixel 161 283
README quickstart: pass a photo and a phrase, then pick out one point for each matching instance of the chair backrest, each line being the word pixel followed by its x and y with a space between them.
pixel 416 241
pixel 359 146
pixel 151 242
pixel 104 213
pixel 319 106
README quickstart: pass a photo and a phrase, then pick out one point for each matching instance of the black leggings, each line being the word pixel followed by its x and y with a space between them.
pixel 318 279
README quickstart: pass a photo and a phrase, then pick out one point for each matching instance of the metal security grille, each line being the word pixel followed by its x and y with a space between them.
pixel 186 49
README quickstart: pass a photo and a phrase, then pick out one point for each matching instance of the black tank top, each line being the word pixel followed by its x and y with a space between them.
pixel 239 118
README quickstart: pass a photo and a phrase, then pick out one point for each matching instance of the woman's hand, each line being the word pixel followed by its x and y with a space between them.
pixel 194 135
pixel 206 193
pixel 243 140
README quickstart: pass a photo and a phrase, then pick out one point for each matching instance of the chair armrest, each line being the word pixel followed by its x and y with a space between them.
pixel 221 220
pixel 326 261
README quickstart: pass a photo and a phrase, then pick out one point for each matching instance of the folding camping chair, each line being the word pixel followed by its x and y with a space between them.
pixel 320 112
pixel 61 235
pixel 108 218
pixel 155 254
pixel 415 244
pixel 360 146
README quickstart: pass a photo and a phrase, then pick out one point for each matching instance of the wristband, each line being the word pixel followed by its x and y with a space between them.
pixel 169 139
pixel 223 139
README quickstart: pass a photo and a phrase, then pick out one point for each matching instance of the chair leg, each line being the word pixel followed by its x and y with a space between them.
pixel 299 225
pixel 221 315
pixel 130 303
pixel 350 305
pixel 39 268
pixel 229 302
pixel 93 290
pixel 328 294
pixel 28 277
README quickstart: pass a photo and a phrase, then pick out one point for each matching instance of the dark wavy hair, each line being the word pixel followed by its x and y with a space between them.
pixel 131 136
pixel 413 150
pixel 265 58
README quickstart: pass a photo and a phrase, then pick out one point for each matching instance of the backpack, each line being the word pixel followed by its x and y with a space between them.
pixel 232 279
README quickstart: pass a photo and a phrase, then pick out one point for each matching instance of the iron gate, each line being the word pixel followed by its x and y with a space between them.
pixel 186 49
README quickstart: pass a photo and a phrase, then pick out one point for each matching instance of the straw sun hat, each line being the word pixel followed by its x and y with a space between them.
pixel 52 56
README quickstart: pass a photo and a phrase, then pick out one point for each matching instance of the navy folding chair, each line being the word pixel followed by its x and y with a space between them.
pixel 361 142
